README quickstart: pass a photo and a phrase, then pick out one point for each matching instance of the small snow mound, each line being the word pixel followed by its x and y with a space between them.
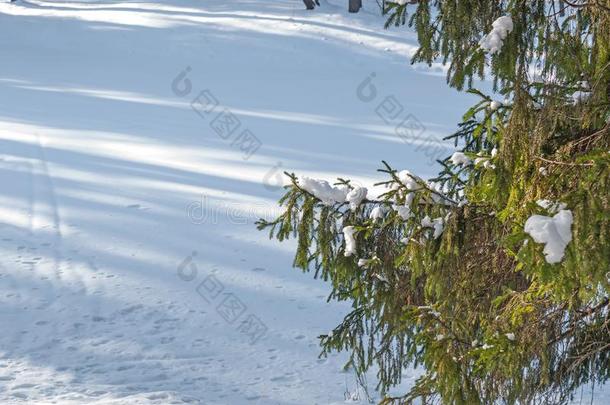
pixel 356 196
pixel 409 180
pixel 322 190
pixel 493 41
pixel 551 206
pixel 350 241
pixel 409 199
pixel 582 95
pixel 437 224
pixel 555 232
pixel 494 105
pixel 377 213
pixel 403 211
pixel 459 158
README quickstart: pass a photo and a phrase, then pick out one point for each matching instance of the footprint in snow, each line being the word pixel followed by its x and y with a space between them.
pixel 154 397
pixel 23 386
pixel 167 339
pixel 137 207
pixel 282 378
pixel 130 309
pixel 99 343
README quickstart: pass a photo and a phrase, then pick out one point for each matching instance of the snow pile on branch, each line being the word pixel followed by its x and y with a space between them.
pixel 555 232
pixel 356 196
pixel 485 162
pixel 377 213
pixel 409 199
pixel 493 41
pixel 350 241
pixel 550 206
pixel 459 158
pixel 438 192
pixel 494 105
pixel 409 180
pixel 403 211
pixel 437 224
pixel 323 191
pixel 582 95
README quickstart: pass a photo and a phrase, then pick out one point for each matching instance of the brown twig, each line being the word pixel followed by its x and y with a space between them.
pixel 556 162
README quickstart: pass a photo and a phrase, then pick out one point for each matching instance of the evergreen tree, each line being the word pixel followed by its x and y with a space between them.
pixel 493 277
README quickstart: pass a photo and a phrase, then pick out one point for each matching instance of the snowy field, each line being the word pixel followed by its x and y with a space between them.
pixel 134 134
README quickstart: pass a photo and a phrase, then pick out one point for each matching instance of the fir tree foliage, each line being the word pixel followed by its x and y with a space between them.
pixel 452 283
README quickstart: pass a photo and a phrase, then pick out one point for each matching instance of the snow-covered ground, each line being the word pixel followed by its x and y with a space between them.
pixel 112 176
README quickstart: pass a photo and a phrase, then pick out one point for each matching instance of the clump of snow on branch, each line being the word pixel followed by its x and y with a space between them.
pixel 322 190
pixel 484 161
pixel 582 95
pixel 409 199
pixel 381 277
pixel 493 41
pixel 350 240
pixel 437 190
pixel 460 158
pixel 409 180
pixel 551 206
pixel 494 105
pixel 438 224
pixel 356 196
pixel 365 263
pixel 555 232
pixel 403 211
pixel 377 213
